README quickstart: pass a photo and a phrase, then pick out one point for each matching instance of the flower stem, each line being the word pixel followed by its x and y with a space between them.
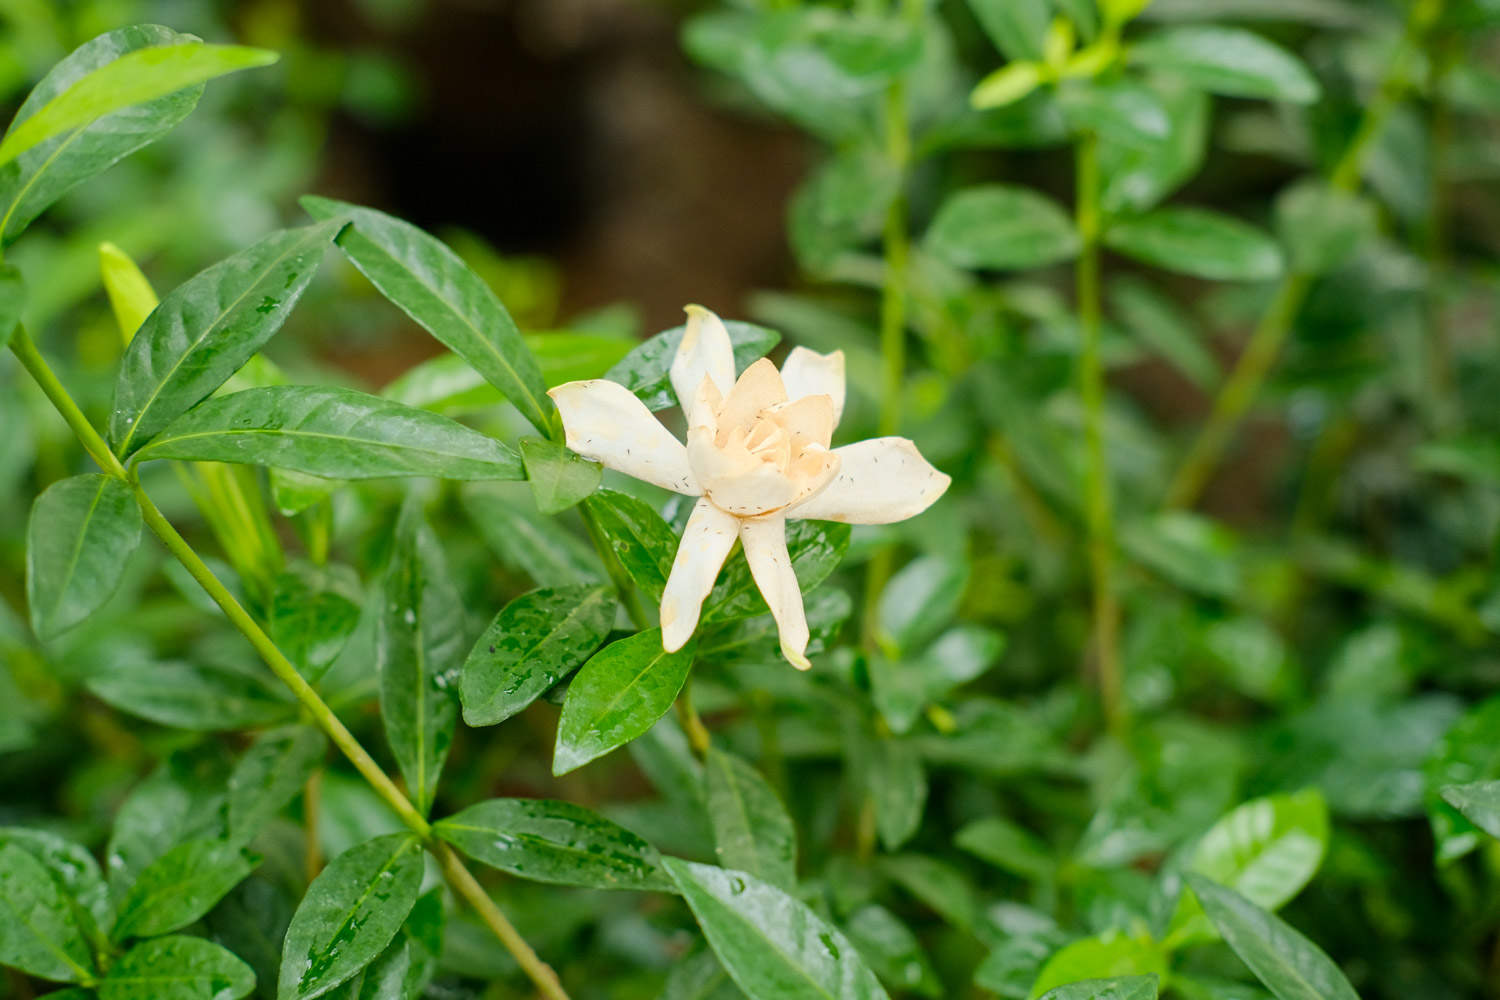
pixel 692 723
pixel 462 881
pixel 1097 487
pixel 1243 386
pixel 312 803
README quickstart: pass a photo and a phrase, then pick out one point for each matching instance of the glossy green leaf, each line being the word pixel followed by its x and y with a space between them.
pixel 1479 801
pixel 1290 965
pixel 893 951
pixel 643 543
pixel 646 370
pixel 207 328
pixel 1198 242
pixel 351 912
pixel 1468 752
pixel 71 865
pixel 1229 61
pixel 773 946
pixel 38 931
pixel 421 639
pixel 432 285
pixel 919 601
pixel 182 800
pixel 38 177
pixel 269 775
pixel 617 696
pixel 181 886
pixel 82 530
pixel 815 548
pixel 177 968
pixel 559 478
pixel 1322 226
pixel 998 227
pixel 313 613
pixel 12 299
pixel 1108 956
pixel 333 433
pixel 1121 112
pixel 1017 27
pixel 752 831
pixel 534 642
pixel 550 841
pixel 206 698
pixel 137 77
pixel 1120 988
pixel 448 384
pixel 1138 176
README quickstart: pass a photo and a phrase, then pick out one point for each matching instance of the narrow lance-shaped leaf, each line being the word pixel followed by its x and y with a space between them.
pixel 181 886
pixel 206 329
pixel 1198 242
pixel 333 433
pixel 617 696
pixel 551 841
pixel 432 285
pixel 535 641
pixel 39 176
pixel 752 831
pixel 643 543
pixel 351 912
pixel 177 968
pixel 270 775
pixel 82 531
pixel 773 946
pixel 135 78
pixel 421 645
pixel 38 933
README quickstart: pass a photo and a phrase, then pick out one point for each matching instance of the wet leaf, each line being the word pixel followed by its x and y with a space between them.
pixel 38 931
pixel 559 478
pixel 177 968
pixel 269 775
pixel 181 886
pixel 82 530
pixel 752 831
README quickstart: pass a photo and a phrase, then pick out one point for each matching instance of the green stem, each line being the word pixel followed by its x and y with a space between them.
pixel 692 723
pixel 1244 384
pixel 462 881
pixel 1444 52
pixel 1099 509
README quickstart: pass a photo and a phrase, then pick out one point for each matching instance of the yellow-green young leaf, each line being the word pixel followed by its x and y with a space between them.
pixel 1106 957
pixel 181 886
pixel 38 932
pixel 772 944
pixel 351 912
pixel 1119 11
pixel 177 968
pixel 130 295
pixel 1006 85
pixel 1017 27
pixel 12 299
pixel 82 531
pixel 134 78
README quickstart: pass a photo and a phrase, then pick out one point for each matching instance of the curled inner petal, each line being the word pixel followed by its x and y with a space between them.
pixel 808 373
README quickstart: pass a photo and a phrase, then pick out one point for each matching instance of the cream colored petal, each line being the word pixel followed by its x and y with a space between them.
pixel 760 491
pixel 606 422
pixel 705 352
pixel 813 471
pixel 758 388
pixel 710 460
pixel 880 481
pixel 809 420
pixel 765 549
pixel 706 542
pixel 808 373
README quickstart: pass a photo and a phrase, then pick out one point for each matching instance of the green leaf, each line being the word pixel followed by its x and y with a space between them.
pixel 643 543
pixel 1468 752
pixel 432 285
pixel 207 328
pixel 181 886
pixel 1007 846
pixel 177 968
pixel 558 842
pixel 815 548
pixel 525 541
pixel 617 696
pixel 841 206
pixel 898 788
pixel 902 687
pixel 1138 176
pixel 1229 61
pixel 936 883
pixel 1158 323
pixel 1479 801
pixel 535 641
pixel 137 77
pixel 183 799
pixel 1199 242
pixel 71 865
pixel 647 370
pixel 12 300
pixel 919 601
pixel 351 912
pixel 420 642
pixel 1290 965
pixel 311 617
pixel 893 951
pixel 1266 850
pixel 38 931
pixel 38 177
pixel 1121 112
pixel 1005 86
pixel 999 227
pixel 333 433
pixel 205 698
pixel 559 478
pixel 270 775
pixel 1120 988
pixel 82 531
pixel 773 946
pixel 1017 27
pixel 752 831
pixel 1323 226
pixel 1109 956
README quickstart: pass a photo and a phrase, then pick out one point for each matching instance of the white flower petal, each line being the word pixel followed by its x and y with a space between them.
pixel 880 481
pixel 765 549
pixel 606 422
pixel 706 542
pixel 808 373
pixel 705 352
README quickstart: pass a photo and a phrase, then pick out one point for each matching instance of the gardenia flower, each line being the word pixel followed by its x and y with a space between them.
pixel 757 454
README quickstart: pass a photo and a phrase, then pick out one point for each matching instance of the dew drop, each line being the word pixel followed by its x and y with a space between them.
pixel 736 885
